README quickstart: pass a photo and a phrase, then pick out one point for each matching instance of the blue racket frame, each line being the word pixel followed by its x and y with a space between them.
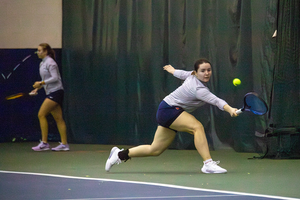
pixel 254 104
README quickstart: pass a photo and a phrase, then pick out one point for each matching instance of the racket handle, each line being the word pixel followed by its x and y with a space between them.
pixel 239 111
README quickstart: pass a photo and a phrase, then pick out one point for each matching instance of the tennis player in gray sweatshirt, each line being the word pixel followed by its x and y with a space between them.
pixel 52 84
pixel 173 115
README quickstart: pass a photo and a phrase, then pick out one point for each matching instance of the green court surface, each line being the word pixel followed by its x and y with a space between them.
pixel 176 167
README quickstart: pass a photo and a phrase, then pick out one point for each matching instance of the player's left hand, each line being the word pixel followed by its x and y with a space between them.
pixel 169 69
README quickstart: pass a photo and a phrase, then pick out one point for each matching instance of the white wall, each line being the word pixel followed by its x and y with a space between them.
pixel 27 23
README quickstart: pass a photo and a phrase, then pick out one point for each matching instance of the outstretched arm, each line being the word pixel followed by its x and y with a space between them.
pixel 205 95
pixel 181 74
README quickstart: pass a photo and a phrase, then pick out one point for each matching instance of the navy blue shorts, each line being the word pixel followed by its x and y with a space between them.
pixel 167 114
pixel 57 96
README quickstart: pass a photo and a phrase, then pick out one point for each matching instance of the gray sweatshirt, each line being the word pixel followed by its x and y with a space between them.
pixel 49 73
pixel 192 93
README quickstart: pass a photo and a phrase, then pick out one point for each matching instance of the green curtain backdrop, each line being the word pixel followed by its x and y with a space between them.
pixel 114 51
pixel 286 96
pixel 238 38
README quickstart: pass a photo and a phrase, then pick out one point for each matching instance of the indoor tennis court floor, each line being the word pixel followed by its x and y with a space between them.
pixel 80 174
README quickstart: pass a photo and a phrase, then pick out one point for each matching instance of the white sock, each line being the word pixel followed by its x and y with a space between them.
pixel 207 161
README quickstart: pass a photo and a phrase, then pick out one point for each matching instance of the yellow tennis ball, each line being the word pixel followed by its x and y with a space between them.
pixel 236 82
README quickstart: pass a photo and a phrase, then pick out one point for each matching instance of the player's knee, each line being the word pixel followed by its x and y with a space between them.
pixel 197 127
pixel 41 115
pixel 156 152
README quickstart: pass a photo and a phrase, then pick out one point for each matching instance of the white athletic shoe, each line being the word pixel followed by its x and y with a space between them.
pixel 113 158
pixel 213 168
pixel 41 147
pixel 61 147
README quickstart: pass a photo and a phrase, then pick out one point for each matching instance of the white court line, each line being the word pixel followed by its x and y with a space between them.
pixel 159 197
pixel 154 184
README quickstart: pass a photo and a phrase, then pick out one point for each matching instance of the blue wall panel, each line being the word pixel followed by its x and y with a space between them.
pixel 18 117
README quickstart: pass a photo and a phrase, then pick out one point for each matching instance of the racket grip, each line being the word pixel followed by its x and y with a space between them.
pixel 239 111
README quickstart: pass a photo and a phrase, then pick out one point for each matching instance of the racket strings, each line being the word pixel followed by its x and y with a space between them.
pixel 256 105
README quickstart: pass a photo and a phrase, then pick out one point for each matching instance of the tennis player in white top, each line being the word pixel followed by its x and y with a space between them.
pixel 174 115
pixel 51 82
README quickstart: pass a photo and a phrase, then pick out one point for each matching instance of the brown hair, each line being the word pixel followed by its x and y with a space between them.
pixel 199 62
pixel 50 51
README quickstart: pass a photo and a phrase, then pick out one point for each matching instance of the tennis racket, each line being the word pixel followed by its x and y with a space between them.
pixel 18 95
pixel 254 104
pixel 16 67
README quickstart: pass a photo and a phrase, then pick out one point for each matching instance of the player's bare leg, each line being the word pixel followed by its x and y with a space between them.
pixel 162 139
pixel 47 106
pixel 186 122
pixel 60 122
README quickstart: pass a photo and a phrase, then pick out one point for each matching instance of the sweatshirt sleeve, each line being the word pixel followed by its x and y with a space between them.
pixel 205 95
pixel 181 74
pixel 53 70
